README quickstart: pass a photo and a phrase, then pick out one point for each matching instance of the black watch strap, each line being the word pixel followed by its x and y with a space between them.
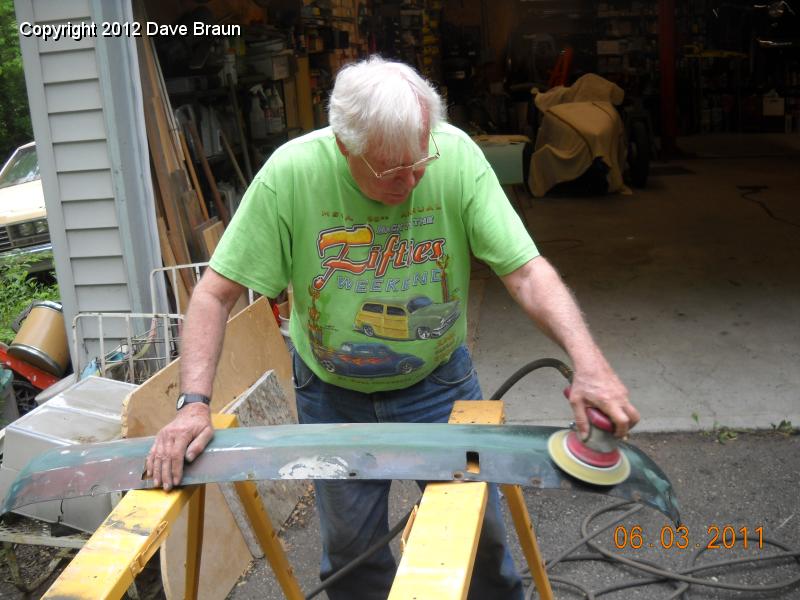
pixel 185 399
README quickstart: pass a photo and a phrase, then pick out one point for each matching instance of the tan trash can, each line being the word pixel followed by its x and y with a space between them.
pixel 42 339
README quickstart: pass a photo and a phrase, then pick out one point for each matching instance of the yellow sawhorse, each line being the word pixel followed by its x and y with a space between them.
pixel 117 552
pixel 437 562
pixel 439 553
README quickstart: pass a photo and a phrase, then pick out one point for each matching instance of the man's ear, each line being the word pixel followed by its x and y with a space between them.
pixel 342 148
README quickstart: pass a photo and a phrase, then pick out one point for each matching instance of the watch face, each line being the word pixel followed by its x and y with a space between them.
pixel 181 402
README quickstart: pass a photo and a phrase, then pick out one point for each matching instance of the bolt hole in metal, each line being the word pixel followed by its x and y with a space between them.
pixel 473 462
pixel 458 475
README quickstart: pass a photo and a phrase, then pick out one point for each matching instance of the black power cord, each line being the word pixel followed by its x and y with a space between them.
pixel 682 579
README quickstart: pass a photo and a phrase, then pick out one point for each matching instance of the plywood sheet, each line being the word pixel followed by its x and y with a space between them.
pixel 253 345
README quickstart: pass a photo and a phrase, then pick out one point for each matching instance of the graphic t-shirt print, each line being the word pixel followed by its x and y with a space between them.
pixel 399 277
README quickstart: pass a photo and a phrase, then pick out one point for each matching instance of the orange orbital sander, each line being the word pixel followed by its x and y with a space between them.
pixel 597 458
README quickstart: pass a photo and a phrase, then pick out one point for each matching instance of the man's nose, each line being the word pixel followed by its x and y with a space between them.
pixel 408 177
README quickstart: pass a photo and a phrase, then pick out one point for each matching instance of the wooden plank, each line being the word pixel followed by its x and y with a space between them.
pixel 212 234
pixel 253 345
pixel 440 552
pixel 304 104
pixel 187 158
pixel 264 403
pixel 222 210
pixel 527 539
pixel 232 158
pixel 194 542
pixel 233 94
pixel 291 107
pixel 166 193
pixel 168 258
pixel 193 219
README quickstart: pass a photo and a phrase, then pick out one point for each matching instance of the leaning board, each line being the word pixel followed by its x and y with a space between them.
pixel 253 345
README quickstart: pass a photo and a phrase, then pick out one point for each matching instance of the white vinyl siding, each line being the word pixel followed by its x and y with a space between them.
pixel 88 123
pixel 77 126
pixel 72 96
pixel 90 214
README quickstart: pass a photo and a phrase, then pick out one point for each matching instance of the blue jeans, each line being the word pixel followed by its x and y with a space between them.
pixel 354 514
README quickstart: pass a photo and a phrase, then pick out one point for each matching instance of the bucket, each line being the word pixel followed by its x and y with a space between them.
pixel 42 339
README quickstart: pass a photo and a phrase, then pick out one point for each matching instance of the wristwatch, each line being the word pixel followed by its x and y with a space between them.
pixel 185 399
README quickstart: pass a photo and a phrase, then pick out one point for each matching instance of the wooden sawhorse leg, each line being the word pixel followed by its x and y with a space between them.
pixel 527 539
pixel 440 551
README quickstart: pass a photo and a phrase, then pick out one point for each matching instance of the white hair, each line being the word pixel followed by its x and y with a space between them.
pixel 384 107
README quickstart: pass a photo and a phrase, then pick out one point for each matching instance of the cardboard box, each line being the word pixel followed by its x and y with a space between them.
pixel 272 66
pixel 606 47
pixel 773 106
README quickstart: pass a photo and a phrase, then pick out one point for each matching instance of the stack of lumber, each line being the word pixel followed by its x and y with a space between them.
pixel 187 234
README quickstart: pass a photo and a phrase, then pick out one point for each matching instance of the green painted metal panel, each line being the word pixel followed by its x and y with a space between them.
pixel 509 454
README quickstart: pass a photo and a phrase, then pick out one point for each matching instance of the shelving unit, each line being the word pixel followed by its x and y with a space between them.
pixel 731 84
pixel 331 36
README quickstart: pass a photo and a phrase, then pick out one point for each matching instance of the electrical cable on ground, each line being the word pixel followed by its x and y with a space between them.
pixel 682 578
pixel 747 191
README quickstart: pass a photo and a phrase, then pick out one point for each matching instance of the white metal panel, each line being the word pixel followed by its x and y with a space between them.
pixel 90 214
pixel 72 96
pixel 81 156
pixel 78 126
pixel 60 10
pixel 85 185
pixel 99 270
pixel 103 298
pixel 49 45
pixel 69 66
pixel 93 242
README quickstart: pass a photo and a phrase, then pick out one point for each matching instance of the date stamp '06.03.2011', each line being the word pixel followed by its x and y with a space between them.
pixel 716 537
pixel 79 30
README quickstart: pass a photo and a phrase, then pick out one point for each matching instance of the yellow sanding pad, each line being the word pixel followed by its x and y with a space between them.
pixel 557 446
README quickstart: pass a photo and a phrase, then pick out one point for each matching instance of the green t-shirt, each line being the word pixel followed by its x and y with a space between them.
pixel 380 292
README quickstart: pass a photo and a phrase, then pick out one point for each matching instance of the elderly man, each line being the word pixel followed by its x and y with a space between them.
pixel 372 221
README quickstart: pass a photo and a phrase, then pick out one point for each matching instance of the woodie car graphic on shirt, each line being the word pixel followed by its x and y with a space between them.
pixel 417 318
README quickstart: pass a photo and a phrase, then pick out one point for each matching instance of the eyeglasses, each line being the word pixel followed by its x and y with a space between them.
pixel 414 166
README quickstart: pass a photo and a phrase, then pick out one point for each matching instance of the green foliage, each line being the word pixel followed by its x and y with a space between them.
pixel 19 289
pixel 785 427
pixel 15 120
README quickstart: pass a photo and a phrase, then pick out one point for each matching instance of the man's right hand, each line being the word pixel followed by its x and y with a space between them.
pixel 184 438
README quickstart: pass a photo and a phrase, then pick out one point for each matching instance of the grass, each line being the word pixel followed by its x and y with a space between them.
pixel 19 289
pixel 726 434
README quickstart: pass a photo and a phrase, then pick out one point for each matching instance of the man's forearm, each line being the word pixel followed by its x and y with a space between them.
pixel 203 334
pixel 544 297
